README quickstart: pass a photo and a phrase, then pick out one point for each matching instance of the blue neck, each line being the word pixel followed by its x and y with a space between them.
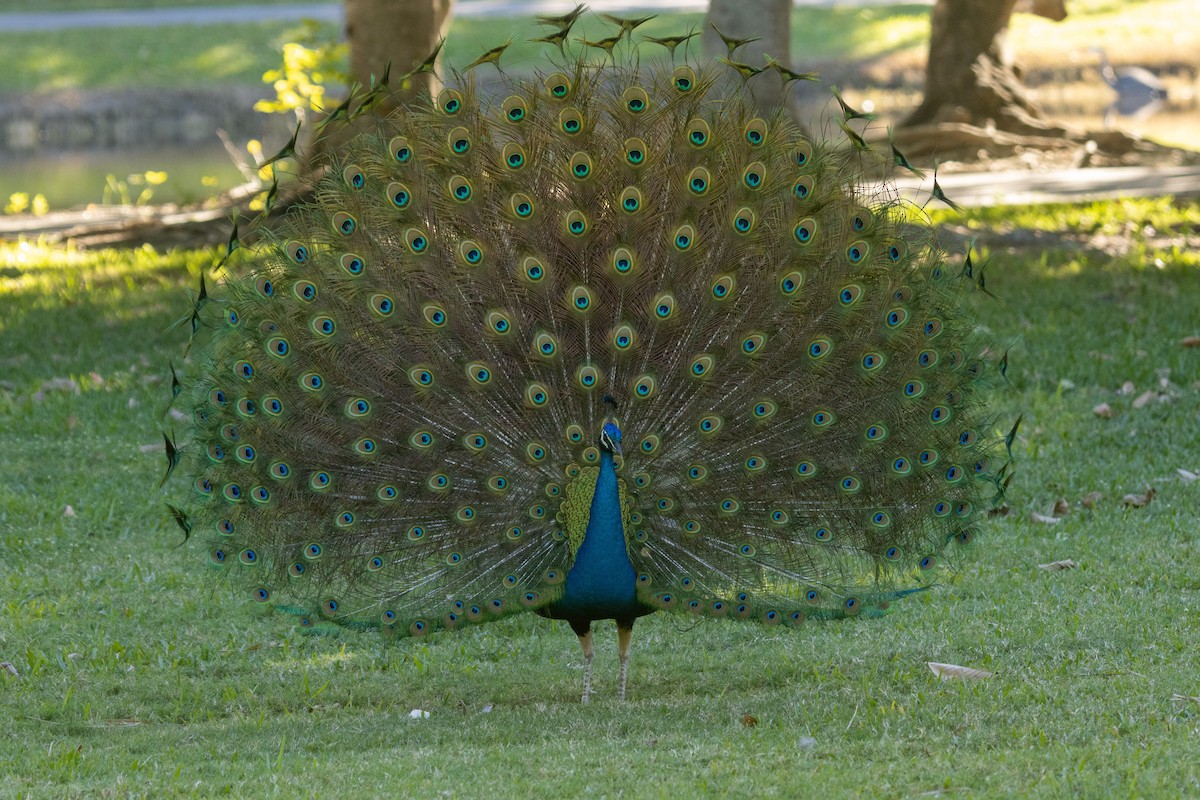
pixel 602 581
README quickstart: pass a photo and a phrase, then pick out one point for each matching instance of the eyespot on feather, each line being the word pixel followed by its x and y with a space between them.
pixel 587 376
pixel 624 338
pixel 515 108
pixel 450 101
pixel 754 175
pixel 581 299
pixel 498 323
pixel 297 252
pixel 513 156
pixel 805 231
pixel 576 223
pixel 400 149
pixel 354 177
pixel 743 220
pixel 802 189
pixel 635 99
pixel 623 261
pixel 470 252
pixel 580 165
pixel 558 86
pixel 521 205
pixel 663 306
pixel 630 200
pixel 635 151
pixel 352 264
pixel 537 395
pixel 699 180
pixel 802 153
pixel 459 189
pixel 698 133
pixel 756 131
pixel 344 223
pixel 458 140
pixel 570 121
pixel 416 240
pixel 683 78
pixel 644 387
pixel 684 237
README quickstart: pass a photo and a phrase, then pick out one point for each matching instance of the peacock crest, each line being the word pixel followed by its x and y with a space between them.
pixel 408 402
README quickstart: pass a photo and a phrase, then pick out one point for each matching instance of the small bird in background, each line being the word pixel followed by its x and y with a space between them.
pixel 1139 92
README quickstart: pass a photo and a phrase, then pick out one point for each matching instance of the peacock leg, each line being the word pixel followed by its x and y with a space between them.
pixel 624 637
pixel 585 641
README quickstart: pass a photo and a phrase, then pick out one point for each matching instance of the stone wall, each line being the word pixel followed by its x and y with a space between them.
pixel 123 118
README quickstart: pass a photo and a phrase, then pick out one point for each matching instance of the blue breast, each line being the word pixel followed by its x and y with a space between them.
pixel 602 583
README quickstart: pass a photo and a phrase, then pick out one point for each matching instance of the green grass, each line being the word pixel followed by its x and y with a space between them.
pixel 43 6
pixel 139 678
pixel 888 38
pixel 172 56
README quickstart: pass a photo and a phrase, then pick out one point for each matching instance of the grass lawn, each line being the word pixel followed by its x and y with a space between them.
pixel 891 39
pixel 42 6
pixel 136 677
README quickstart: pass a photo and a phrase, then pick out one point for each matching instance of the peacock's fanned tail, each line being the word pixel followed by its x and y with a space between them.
pixel 404 387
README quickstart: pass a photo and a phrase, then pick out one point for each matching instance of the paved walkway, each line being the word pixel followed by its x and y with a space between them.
pixel 332 12
pixel 975 189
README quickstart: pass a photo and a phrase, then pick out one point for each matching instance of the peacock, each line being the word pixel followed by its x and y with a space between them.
pixel 603 343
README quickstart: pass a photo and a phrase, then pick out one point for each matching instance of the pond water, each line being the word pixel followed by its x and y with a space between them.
pixel 105 176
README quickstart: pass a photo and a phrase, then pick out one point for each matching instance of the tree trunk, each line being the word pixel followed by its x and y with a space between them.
pixel 400 33
pixel 969 78
pixel 746 19
pixel 380 32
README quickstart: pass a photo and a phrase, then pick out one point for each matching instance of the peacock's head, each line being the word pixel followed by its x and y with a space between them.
pixel 610 431
pixel 610 437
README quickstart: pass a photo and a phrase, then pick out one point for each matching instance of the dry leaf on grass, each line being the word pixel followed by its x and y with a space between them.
pixel 9 668
pixel 999 511
pixel 1104 411
pixel 1183 697
pixel 1190 341
pixel 1061 507
pixel 1144 399
pixel 1055 566
pixel 68 511
pixel 949 672
pixel 1126 388
pixel 749 720
pixel 1140 500
pixel 1091 499
pixel 1043 519
pixel 1187 475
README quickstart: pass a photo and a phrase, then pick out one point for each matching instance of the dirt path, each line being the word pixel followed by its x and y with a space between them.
pixel 168 225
